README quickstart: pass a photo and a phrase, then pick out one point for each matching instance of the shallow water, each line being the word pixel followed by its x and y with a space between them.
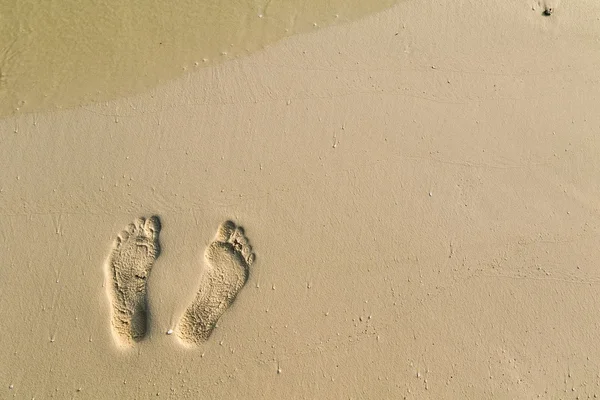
pixel 63 53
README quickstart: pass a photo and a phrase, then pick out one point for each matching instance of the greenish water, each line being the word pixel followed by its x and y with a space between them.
pixel 64 53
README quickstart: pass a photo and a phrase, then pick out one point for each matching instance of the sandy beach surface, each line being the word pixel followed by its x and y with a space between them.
pixel 413 207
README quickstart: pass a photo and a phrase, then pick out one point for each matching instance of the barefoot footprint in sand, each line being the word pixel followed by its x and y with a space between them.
pixel 227 260
pixel 129 265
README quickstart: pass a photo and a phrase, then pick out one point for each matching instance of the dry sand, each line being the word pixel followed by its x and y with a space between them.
pixel 419 187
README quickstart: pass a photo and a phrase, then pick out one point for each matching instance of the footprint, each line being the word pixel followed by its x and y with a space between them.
pixel 129 265
pixel 227 260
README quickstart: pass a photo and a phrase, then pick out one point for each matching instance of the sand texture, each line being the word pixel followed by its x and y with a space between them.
pixel 403 206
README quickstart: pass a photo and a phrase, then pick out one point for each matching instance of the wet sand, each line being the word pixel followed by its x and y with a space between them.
pixel 61 54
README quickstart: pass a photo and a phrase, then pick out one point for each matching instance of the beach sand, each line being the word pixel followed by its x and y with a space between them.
pixel 414 212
